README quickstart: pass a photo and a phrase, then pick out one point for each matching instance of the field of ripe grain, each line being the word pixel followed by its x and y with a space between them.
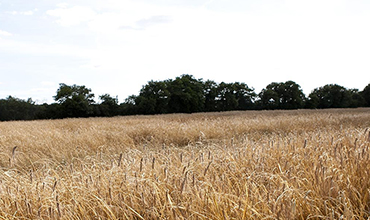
pixel 305 164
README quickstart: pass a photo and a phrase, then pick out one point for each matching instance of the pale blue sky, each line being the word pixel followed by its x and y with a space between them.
pixel 116 46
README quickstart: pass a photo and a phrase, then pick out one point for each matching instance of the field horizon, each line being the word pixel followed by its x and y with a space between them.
pixel 281 164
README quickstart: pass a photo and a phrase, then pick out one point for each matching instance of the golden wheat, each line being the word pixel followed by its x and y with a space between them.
pixel 304 164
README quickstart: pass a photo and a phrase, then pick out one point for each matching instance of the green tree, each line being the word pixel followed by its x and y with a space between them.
pixel 210 93
pixel 153 98
pixel 332 96
pixel 186 95
pixel 129 107
pixel 51 111
pixel 234 96
pixel 244 95
pixel 286 95
pixel 312 101
pixel 13 108
pixel 269 96
pixel 293 97
pixel 226 99
pixel 108 106
pixel 366 95
pixel 356 99
pixel 75 101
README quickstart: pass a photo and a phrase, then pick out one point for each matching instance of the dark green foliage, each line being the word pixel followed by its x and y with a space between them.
pixel 184 94
pixel 108 107
pixel 210 93
pixel 244 95
pixel 331 96
pixel 356 99
pixel 153 98
pixel 312 101
pixel 75 101
pixel 52 111
pixel 226 100
pixel 129 107
pixel 13 108
pixel 234 96
pixel 366 95
pixel 286 95
pixel 269 98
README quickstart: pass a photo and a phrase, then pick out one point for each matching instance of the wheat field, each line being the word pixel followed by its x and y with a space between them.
pixel 302 164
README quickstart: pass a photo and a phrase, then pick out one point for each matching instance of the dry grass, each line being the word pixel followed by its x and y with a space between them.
pixel 236 165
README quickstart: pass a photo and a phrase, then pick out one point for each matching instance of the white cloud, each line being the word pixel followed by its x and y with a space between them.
pixel 62 5
pixel 72 16
pixel 106 23
pixel 315 8
pixel 5 33
pixel 145 23
pixel 27 13
pixel 202 40
pixel 48 83
pixel 113 15
pixel 33 48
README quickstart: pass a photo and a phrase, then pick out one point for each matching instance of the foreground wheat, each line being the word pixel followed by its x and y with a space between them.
pixel 236 165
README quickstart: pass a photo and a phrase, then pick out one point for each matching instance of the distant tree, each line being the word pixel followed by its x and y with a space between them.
pixel 131 100
pixel 108 106
pixel 356 100
pixel 312 101
pixel 145 105
pixel 186 94
pixel 13 108
pixel 269 96
pixel 244 95
pixel 128 107
pixel 226 99
pixel 210 94
pixel 286 95
pixel 293 97
pixel 331 96
pixel 108 100
pixel 49 111
pixel 75 101
pixel 366 95
pixel 153 98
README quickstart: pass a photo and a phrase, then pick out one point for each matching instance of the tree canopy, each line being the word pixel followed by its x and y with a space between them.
pixel 184 94
pixel 366 95
pixel 331 96
pixel 75 101
pixel 286 95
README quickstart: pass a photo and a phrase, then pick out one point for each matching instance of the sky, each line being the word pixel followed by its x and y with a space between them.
pixel 117 46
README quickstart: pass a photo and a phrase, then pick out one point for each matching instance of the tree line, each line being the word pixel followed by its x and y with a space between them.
pixel 184 94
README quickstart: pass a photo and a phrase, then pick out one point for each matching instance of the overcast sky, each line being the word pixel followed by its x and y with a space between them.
pixel 116 46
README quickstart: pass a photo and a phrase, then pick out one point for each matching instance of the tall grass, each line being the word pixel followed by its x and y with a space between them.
pixel 306 164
